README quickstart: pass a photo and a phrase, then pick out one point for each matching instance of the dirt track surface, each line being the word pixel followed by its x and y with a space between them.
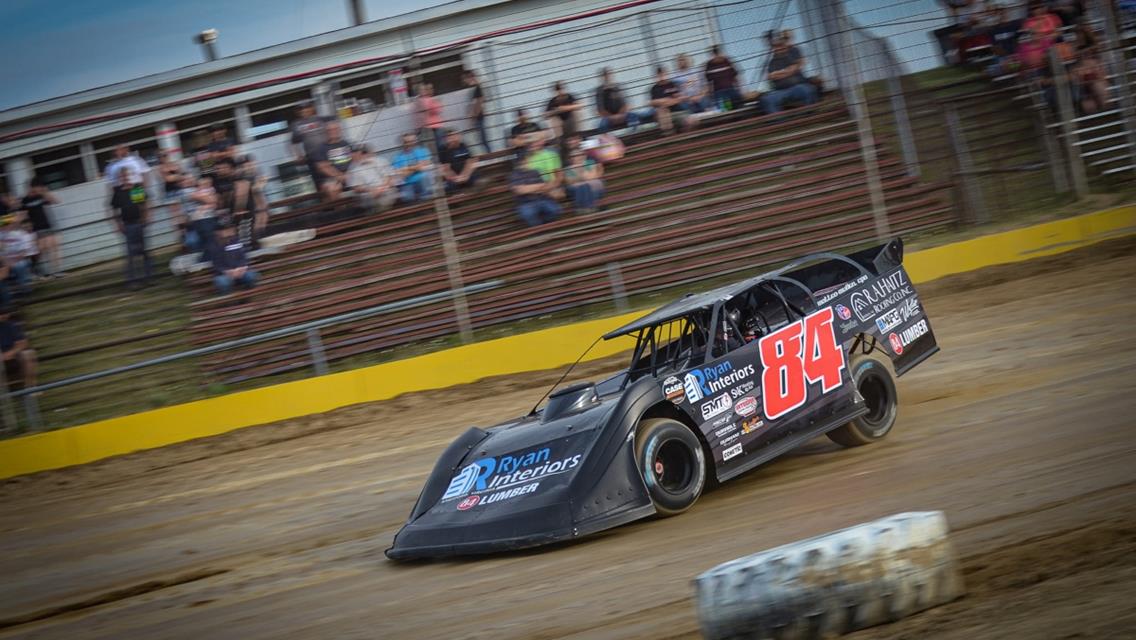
pixel 1021 430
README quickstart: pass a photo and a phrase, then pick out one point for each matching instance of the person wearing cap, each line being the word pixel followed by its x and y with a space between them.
pixel 786 76
pixel 456 162
pixel 372 179
pixel 20 362
pixel 412 165
pixel 230 262
pixel 130 221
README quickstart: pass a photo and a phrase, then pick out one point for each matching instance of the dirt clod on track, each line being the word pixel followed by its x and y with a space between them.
pixel 1021 430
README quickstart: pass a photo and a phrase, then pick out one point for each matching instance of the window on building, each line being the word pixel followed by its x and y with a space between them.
pixel 367 89
pixel 194 130
pixel 272 116
pixel 59 168
pixel 444 71
pixel 143 141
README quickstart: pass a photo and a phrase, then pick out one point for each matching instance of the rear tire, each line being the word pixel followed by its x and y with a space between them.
pixel 875 382
pixel 670 459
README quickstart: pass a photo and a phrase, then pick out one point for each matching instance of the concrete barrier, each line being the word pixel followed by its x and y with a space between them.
pixel 833 584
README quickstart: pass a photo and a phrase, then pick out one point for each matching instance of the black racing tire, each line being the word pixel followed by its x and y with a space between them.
pixel 876 383
pixel 671 461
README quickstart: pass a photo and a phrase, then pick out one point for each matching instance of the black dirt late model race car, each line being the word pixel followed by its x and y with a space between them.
pixel 719 382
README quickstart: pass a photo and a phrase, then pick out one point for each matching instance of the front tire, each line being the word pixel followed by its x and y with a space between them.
pixel 876 384
pixel 670 459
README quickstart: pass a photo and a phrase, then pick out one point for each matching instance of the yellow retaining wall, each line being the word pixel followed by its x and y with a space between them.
pixel 533 351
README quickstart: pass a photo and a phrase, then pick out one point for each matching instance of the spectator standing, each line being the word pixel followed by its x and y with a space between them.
pixel 230 264
pixel 125 157
pixel 691 85
pixel 584 179
pixel 786 76
pixel 131 223
pixel 372 178
pixel 332 160
pixel 1091 80
pixel 723 80
pixel 199 205
pixel 561 111
pixel 412 166
pixel 171 173
pixel 19 247
pixel 35 205
pixel 429 113
pixel 611 107
pixel 20 361
pixel 535 204
pixel 1044 25
pixel 666 99
pixel 477 106
pixel 309 134
pixel 457 164
pixel 221 146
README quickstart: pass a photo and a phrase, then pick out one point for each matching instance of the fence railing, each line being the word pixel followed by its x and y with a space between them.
pixel 310 329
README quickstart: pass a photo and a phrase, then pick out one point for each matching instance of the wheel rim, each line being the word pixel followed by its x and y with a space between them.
pixel 878 399
pixel 673 466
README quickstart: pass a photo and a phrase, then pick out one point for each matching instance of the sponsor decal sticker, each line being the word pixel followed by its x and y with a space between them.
pixel 843 312
pixel 746 406
pixel 706 381
pixel 907 336
pixel 725 431
pixel 504 472
pixel 751 425
pixel 896 316
pixel 896 345
pixel 732 452
pixel 673 389
pixel 716 406
pixel 742 389
pixel 728 439
pixel 469 502
pixel 845 288
pixel 721 421
pixel 882 295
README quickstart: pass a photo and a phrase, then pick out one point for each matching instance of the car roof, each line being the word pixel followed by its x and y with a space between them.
pixel 696 301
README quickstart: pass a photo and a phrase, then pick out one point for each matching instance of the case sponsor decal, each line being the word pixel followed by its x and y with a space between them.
pixel 673 389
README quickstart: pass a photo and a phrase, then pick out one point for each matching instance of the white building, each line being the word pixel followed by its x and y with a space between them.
pixel 519 47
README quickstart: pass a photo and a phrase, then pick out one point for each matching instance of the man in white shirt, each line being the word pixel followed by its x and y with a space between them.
pixel 691 86
pixel 18 247
pixel 372 178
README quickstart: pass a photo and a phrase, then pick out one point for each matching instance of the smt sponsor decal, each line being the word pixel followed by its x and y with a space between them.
pixel 732 452
pixel 795 356
pixel 882 295
pixel 746 406
pixel 897 315
pixel 494 474
pixel 673 389
pixel 907 336
pixel 706 381
pixel 716 406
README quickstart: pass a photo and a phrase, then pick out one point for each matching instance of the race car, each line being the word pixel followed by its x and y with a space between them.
pixel 717 384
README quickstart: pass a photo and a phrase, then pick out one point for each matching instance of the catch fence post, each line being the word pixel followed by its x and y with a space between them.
pixel 649 40
pixel 11 422
pixel 315 348
pixel 854 96
pixel 902 123
pixel 450 250
pixel 618 292
pixel 31 408
pixel 972 198
pixel 1066 113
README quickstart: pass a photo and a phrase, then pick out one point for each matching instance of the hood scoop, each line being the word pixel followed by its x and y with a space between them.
pixel 570 400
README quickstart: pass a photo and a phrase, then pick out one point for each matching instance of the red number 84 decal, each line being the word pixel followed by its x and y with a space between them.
pixel 794 356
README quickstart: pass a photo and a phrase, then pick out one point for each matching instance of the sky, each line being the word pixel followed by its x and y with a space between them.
pixel 81 44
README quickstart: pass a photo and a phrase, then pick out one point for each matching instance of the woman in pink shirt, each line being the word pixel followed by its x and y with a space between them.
pixel 430 112
pixel 1043 24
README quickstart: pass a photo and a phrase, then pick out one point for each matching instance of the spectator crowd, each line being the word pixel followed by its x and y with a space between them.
pixel 1020 39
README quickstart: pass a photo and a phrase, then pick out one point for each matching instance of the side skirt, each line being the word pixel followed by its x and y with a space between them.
pixel 792 441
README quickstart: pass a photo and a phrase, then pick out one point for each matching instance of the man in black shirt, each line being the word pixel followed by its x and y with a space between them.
pixel 332 160
pixel 522 132
pixel 309 133
pixel 131 223
pixel 230 262
pixel 611 107
pixel 477 106
pixel 533 194
pixel 459 167
pixel 19 359
pixel 561 111
pixel 667 100
pixel 786 75
pixel 34 205
pixel 723 79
